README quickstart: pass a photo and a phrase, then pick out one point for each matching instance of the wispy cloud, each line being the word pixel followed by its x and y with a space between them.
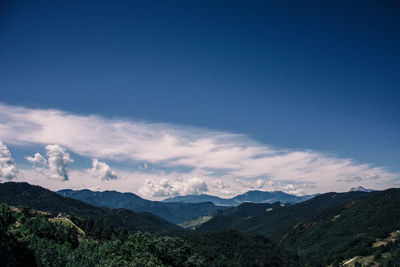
pixel 207 154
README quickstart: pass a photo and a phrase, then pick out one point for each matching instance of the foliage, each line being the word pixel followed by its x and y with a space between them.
pixel 31 238
pixel 346 231
pixel 267 222
pixel 327 229
pixel 232 248
pixel 12 252
pixel 35 238
pixel 39 198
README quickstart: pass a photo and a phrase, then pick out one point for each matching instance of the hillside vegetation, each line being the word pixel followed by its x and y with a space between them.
pixel 32 238
pixel 41 228
pixel 361 227
pixel 39 198
pixel 267 222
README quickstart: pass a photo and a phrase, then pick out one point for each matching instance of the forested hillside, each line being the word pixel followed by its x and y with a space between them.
pixel 33 238
pixel 231 248
pixel 39 198
pixel 30 238
pixel 349 230
pixel 269 221
pixel 42 228
pixel 227 217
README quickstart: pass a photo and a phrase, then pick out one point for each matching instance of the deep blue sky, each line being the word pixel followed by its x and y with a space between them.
pixel 293 74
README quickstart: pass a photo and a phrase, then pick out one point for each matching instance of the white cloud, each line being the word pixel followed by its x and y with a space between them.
pixel 58 160
pixel 102 170
pixel 162 189
pixel 222 188
pixel 56 164
pixel 165 188
pixel 8 170
pixel 203 153
pixel 37 161
pixel 260 183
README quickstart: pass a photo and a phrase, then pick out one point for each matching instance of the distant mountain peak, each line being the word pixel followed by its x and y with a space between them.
pixel 360 189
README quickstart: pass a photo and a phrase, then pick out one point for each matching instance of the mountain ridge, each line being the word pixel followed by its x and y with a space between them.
pixel 361 189
pixel 267 222
pixel 355 225
pixel 39 198
pixel 174 212
pixel 255 196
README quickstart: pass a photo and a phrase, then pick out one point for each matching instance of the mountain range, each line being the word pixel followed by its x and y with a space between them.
pixel 266 221
pixel 254 196
pixel 178 209
pixel 328 229
pixel 332 228
pixel 173 212
pixel 32 234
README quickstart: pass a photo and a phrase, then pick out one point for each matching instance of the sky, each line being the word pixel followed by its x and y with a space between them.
pixel 165 98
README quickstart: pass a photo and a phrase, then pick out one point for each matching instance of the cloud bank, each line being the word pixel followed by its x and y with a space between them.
pixel 56 164
pixel 8 170
pixel 235 160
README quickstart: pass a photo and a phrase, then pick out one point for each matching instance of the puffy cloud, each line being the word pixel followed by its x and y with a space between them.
pixel 58 160
pixel 219 184
pixel 223 188
pixel 37 161
pixel 290 187
pixel 102 170
pixel 203 153
pixel 8 170
pixel 194 186
pixel 162 189
pixel 56 164
pixel 165 188
pixel 251 184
